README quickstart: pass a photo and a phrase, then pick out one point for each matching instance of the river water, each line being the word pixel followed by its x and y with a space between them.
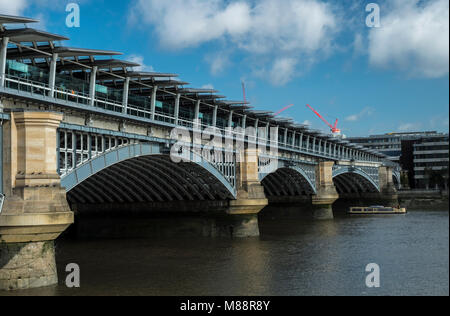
pixel 292 257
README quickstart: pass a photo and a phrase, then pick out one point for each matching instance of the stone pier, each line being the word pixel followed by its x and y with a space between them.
pixel 326 191
pixel 388 193
pixel 35 210
pixel 243 212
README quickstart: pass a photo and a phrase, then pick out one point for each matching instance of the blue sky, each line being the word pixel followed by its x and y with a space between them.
pixel 375 80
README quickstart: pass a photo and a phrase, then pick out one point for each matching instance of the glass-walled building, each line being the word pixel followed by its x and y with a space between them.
pixel 389 144
pixel 431 162
pixel 424 156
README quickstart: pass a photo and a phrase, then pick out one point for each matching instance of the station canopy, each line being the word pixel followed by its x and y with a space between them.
pixel 35 47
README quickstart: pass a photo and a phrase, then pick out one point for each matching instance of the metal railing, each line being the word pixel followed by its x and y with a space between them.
pixel 40 88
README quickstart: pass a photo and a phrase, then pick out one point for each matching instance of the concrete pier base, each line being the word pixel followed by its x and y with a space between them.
pixel 322 212
pixel 27 265
pixel 35 210
pixel 326 193
pixel 238 226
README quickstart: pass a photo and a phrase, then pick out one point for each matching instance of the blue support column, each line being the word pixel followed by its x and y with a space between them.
pixel 197 110
pixel 126 89
pixel 3 53
pixel 52 75
pixel 153 102
pixel 177 108
pixel 230 120
pixel 92 84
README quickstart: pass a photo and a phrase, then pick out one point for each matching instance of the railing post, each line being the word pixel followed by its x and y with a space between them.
pixel 177 108
pixel 244 122
pixel 92 83
pixel 126 89
pixel 307 143
pixel 52 76
pixel 293 139
pixel 3 53
pixel 153 102
pixel 285 136
pixel 256 129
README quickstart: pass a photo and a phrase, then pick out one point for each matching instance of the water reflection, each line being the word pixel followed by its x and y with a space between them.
pixel 292 257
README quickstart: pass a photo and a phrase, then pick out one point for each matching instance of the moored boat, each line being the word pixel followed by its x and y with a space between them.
pixel 377 210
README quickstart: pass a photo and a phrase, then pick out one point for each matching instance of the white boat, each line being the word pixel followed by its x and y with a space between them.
pixel 377 210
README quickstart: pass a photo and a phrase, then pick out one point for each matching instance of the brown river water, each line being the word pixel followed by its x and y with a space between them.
pixel 292 257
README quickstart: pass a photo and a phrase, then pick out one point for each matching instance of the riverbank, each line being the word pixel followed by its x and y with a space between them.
pixel 423 199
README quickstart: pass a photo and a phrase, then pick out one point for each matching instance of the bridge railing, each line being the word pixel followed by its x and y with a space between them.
pixel 40 88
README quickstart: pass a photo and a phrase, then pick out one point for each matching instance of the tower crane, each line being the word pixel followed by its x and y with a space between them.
pixel 334 129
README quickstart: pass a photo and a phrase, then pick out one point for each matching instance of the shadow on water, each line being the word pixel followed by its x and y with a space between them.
pixel 294 256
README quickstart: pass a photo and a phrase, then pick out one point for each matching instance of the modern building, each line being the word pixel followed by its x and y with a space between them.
pixel 389 144
pixel 431 161
pixel 424 156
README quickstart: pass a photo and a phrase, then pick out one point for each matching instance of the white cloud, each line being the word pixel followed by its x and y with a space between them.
pixel 218 62
pixel 367 111
pixel 414 37
pixel 283 70
pixel 409 127
pixel 12 7
pixel 281 32
pixel 140 60
pixel 208 86
pixel 359 47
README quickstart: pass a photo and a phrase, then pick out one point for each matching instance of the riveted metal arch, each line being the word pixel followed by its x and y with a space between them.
pixel 262 176
pixel 306 177
pixel 282 164
pixel 111 158
pixel 199 160
pixel 396 176
pixel 340 170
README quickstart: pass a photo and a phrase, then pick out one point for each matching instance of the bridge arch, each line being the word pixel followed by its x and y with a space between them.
pixel 396 179
pixel 141 173
pixel 288 181
pixel 348 179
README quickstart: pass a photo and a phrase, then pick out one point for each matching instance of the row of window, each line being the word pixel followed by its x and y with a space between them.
pixel 429 148
pixel 432 156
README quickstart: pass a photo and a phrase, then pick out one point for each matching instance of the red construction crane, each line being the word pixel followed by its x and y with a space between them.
pixel 284 109
pixel 334 129
pixel 243 91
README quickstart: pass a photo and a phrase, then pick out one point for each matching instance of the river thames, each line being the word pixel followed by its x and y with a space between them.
pixel 292 257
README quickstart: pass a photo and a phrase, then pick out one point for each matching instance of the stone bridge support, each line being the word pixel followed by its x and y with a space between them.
pixel 326 191
pixel 35 210
pixel 243 212
pixel 388 192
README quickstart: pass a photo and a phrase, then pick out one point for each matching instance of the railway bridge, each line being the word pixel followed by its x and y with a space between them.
pixel 83 131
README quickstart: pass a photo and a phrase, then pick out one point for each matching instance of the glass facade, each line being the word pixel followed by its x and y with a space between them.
pixel 23 73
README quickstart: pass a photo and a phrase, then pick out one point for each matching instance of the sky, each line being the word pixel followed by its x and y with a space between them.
pixel 375 80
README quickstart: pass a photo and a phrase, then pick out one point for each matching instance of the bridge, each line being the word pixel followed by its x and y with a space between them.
pixel 82 131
